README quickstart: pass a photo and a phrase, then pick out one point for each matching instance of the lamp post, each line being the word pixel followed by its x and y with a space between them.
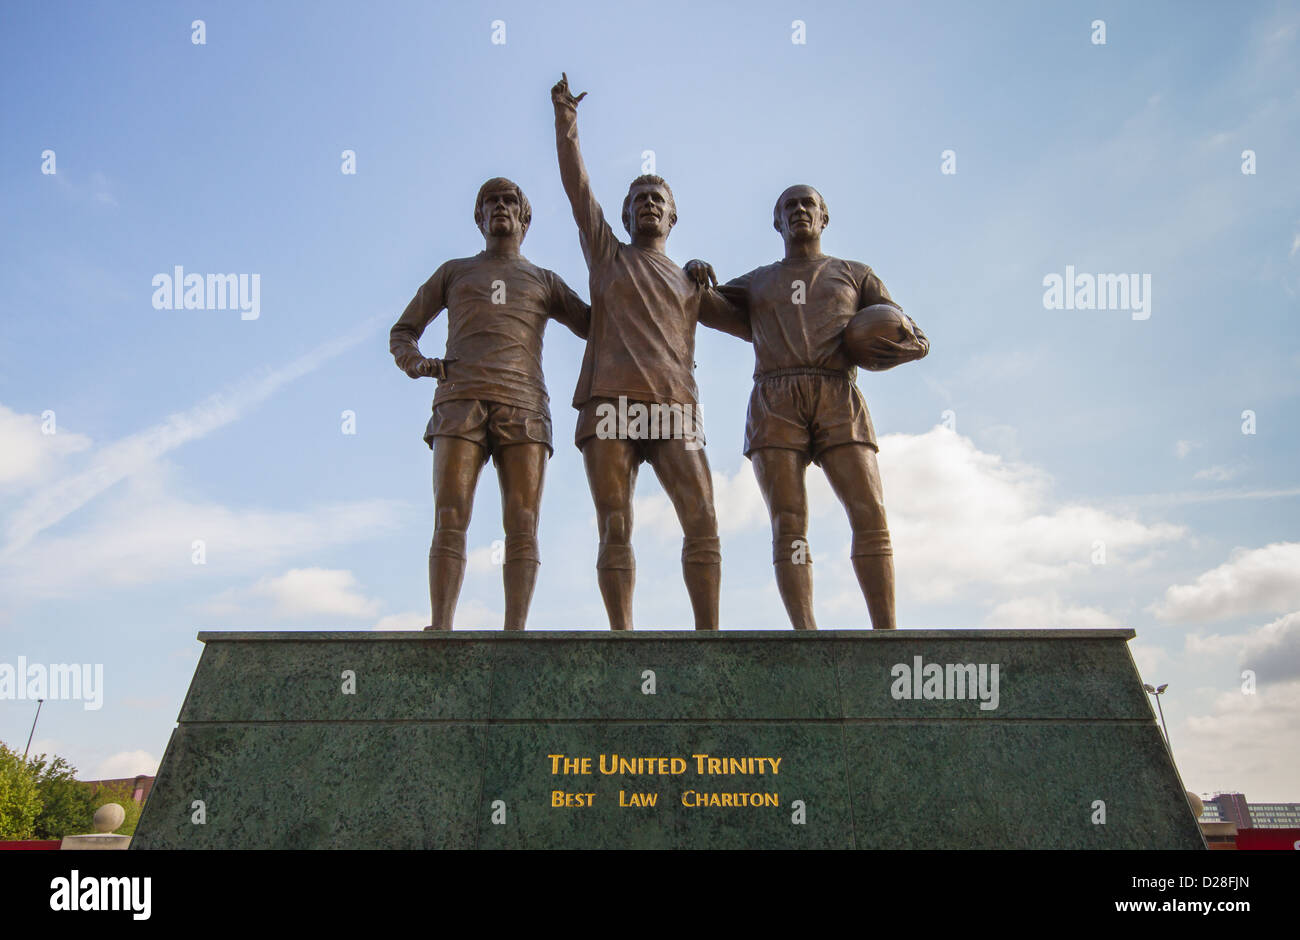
pixel 1157 692
pixel 39 703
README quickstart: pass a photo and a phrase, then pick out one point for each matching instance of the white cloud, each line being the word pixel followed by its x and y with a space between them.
pixel 298 594
pixel 960 516
pixel 1147 658
pixel 1002 439
pixel 1218 474
pixel 479 560
pixel 406 620
pixel 1183 448
pixel 1216 645
pixel 101 189
pixel 134 453
pixel 1260 580
pixel 737 503
pixel 1244 737
pixel 1272 651
pixel 123 764
pixel 1283 34
pixel 50 747
pixel 97 188
pixel 144 533
pixel 1205 496
pixel 1047 611
pixel 957 516
pixel 27 455
pixel 475 615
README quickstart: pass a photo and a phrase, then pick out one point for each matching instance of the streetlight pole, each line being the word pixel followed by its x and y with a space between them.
pixel 39 703
pixel 1157 692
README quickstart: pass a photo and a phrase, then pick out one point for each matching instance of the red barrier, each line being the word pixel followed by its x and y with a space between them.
pixel 36 844
pixel 1265 839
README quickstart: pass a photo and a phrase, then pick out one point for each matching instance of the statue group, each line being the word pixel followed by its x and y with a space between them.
pixel 812 320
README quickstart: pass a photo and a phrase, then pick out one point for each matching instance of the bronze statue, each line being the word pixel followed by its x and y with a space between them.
pixel 491 398
pixel 640 361
pixel 806 405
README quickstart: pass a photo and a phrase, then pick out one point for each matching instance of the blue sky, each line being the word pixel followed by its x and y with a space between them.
pixel 1067 427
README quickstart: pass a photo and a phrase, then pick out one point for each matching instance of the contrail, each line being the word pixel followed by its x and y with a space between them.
pixel 1209 496
pixel 119 460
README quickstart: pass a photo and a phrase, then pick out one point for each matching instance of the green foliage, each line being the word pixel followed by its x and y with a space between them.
pixel 42 799
pixel 20 801
pixel 66 803
pixel 121 795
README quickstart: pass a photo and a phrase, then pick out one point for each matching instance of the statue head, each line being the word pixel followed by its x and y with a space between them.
pixel 502 209
pixel 800 214
pixel 649 208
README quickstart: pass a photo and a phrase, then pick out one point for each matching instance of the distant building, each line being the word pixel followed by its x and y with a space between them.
pixel 1275 815
pixel 1233 808
pixel 140 785
pixel 1220 835
pixel 1211 813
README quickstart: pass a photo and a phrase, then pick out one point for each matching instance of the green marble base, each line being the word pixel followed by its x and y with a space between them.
pixel 410 740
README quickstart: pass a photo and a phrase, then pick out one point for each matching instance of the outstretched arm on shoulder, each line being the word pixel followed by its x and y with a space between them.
pixel 726 308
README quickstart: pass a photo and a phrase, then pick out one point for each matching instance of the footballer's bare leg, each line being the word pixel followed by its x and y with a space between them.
pixel 521 471
pixel 781 473
pixel 611 474
pixel 855 477
pixel 683 471
pixel 456 466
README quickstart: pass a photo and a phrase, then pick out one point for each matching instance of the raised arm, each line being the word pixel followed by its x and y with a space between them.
pixel 598 240
pixel 404 337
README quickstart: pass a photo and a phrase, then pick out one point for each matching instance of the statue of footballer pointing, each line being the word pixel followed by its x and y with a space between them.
pixel 812 320
pixel 640 356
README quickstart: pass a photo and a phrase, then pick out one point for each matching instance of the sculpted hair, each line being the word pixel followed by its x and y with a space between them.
pixel 500 182
pixel 646 179
pixel 776 210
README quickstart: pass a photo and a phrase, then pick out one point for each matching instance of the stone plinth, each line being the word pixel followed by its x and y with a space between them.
pixel 751 739
pixel 95 841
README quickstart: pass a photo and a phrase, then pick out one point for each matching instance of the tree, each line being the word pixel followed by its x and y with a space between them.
pixel 20 801
pixel 66 808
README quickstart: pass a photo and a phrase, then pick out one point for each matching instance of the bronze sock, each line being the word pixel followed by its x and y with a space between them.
pixel 616 575
pixel 702 572
pixel 873 562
